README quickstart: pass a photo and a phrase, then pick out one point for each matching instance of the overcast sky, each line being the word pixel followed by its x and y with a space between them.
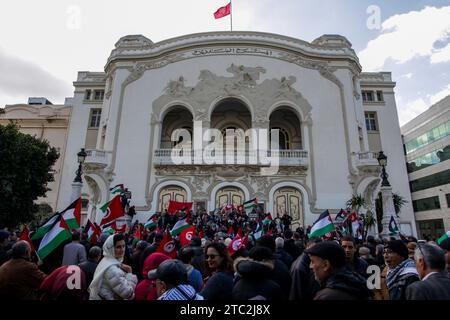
pixel 44 43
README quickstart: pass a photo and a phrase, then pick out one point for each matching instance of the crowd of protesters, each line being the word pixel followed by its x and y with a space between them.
pixel 282 264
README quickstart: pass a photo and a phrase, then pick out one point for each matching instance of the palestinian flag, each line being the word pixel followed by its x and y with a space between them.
pixel 341 217
pixel 267 220
pixel 179 227
pixel 151 221
pixel 444 236
pixel 72 214
pixel 109 227
pixel 117 190
pixel 322 226
pixel 93 231
pixel 112 210
pixel 186 236
pixel 393 228
pixel 58 234
pixel 167 246
pixel 45 227
pixel 250 205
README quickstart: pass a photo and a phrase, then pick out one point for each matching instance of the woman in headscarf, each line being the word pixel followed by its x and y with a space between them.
pixel 146 289
pixel 113 280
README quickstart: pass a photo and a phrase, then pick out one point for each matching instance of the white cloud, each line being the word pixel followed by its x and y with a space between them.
pixel 439 95
pixel 441 55
pixel 407 76
pixel 410 109
pixel 20 79
pixel 409 35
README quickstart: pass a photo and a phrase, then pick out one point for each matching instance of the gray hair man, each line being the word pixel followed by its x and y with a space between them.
pixel 435 283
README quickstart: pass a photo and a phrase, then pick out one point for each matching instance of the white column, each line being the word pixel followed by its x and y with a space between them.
pixel 388 210
pixel 76 191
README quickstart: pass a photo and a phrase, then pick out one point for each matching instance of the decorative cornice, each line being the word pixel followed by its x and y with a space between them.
pixel 236 43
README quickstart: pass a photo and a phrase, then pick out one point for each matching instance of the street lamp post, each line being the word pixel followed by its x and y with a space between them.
pixel 382 161
pixel 81 157
pixel 77 182
pixel 386 195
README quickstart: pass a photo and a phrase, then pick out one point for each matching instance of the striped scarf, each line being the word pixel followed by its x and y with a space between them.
pixel 398 275
pixel 181 292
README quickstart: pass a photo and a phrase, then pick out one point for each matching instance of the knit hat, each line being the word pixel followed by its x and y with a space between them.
pixel 398 247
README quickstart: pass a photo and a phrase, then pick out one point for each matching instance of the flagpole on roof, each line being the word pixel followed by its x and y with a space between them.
pixel 231 14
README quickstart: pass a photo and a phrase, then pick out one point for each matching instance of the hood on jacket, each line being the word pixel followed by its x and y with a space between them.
pixel 152 262
pixel 350 282
pixel 250 269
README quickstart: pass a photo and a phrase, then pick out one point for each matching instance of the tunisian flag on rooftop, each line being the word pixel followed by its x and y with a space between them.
pixel 223 11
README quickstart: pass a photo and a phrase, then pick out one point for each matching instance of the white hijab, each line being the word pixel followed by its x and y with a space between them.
pixel 108 260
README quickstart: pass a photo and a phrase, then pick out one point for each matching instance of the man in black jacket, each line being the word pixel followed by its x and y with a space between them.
pixel 353 263
pixel 89 266
pixel 337 282
pixel 435 283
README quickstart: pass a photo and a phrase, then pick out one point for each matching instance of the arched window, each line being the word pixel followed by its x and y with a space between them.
pixel 283 138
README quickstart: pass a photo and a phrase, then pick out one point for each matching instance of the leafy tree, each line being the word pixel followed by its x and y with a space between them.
pixel 25 170
pixel 399 201
pixel 356 202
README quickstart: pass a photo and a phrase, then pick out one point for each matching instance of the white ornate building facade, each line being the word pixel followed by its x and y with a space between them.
pixel 311 92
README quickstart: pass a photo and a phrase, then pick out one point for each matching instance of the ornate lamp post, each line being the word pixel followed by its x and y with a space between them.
pixel 81 157
pixel 382 160
pixel 77 182
pixel 386 194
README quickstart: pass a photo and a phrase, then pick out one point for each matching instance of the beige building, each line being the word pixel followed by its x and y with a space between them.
pixel 42 119
pixel 427 147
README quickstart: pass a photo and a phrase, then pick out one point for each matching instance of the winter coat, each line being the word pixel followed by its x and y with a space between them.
pixel 359 266
pixel 19 279
pixel 110 281
pixel 195 278
pixel 54 287
pixel 435 287
pixel 284 257
pixel 344 285
pixel 146 289
pixel 117 284
pixel 219 286
pixel 281 276
pixel 254 279
pixel 74 253
pixel 304 285
pixel 88 268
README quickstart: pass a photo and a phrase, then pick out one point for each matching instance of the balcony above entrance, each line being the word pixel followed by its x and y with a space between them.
pixel 289 158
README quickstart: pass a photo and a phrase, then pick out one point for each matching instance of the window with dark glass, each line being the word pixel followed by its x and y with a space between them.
pixel 367 96
pixel 380 95
pixel 426 204
pixel 87 95
pixel 447 196
pixel 429 159
pixel 432 135
pixel 98 94
pixel 431 181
